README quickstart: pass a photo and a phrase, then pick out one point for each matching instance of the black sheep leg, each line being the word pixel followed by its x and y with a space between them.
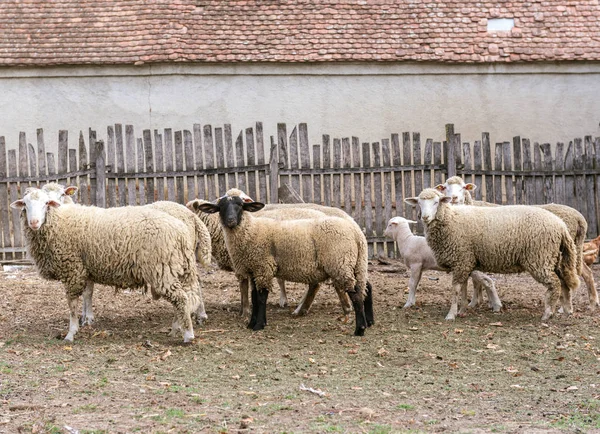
pixel 254 300
pixel 261 310
pixel 369 306
pixel 359 311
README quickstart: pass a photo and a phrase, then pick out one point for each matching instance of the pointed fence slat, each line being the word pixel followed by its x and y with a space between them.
pixel 169 165
pixel 304 149
pixel 159 165
pixel 336 180
pixel 209 161
pixel 110 162
pixel 251 161
pixel 120 151
pixel 188 149
pixel 141 183
pixel 199 148
pixel 5 220
pixel 260 157
pixel 230 160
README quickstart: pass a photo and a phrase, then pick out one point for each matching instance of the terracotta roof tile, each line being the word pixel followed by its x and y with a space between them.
pixel 60 32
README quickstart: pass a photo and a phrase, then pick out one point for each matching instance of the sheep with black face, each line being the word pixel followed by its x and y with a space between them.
pixel 305 251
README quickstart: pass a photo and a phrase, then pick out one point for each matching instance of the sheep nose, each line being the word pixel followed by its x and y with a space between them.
pixel 454 199
pixel 231 222
pixel 34 224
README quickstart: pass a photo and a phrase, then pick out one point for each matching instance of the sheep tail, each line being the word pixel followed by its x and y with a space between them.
pixel 568 261
pixel 203 243
pixel 362 259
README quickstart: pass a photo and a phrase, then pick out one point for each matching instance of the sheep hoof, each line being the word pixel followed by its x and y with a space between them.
pixel 360 331
pixel 68 338
pixel 344 318
pixel 450 317
pixel 258 326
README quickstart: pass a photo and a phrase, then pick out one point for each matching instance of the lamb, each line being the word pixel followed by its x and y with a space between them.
pixel 278 212
pixel 418 257
pixel 127 247
pixel 510 239
pixel 460 193
pixel 590 251
pixel 305 251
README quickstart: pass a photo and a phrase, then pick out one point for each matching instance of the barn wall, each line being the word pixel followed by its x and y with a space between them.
pixel 546 102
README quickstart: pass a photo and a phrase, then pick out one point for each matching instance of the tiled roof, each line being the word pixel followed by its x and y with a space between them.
pixel 75 32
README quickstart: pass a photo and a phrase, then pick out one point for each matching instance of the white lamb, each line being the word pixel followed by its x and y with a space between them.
pixel 304 251
pixel 418 257
pixel 127 247
pixel 508 239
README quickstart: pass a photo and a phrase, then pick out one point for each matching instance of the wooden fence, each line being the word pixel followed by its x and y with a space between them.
pixel 367 179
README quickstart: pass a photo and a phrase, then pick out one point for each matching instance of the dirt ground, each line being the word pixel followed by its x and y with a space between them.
pixel 411 372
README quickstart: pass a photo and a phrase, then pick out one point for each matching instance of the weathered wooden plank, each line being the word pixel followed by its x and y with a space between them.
pixel 386 161
pixel 220 156
pixel 590 195
pixel 597 181
pixel 397 163
pixel 580 203
pixel 437 160
pixel 4 203
pixel 569 179
pixel 358 201
pixel 41 149
pixel 418 174
pixel 336 179
pixel 283 149
pixel 141 182
pixel 149 165
pixel 23 159
pixel 294 160
pixel 304 151
pixel 209 161
pixel 121 185
pixel 559 178
pixel 229 156
pixel 239 160
pixel 83 182
pixel 477 165
pixel 130 164
pixel 468 162
pixel 487 165
pixel 159 165
pixel 92 161
pixel 549 196
pixel 260 157
pixel 169 165
pixel 317 178
pixel 251 159
pixel 508 179
pixel 518 166
pixel 538 180
pixel 274 172
pixel 347 178
pixel 528 166
pixel 63 154
pixel 367 179
pixel 199 147
pixel 179 161
pixel 100 174
pixel 110 163
pixel 326 149
pixel 14 195
pixel 52 167
pixel 409 211
pixel 498 178
pixel 377 192
pixel 450 154
pixel 428 161
pixel 32 160
pixel 73 167
pixel 188 149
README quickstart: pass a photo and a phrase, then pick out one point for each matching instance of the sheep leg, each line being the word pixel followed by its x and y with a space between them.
pixel 245 305
pixel 254 300
pixel 73 320
pixel 416 270
pixel 87 313
pixel 483 280
pixel 307 300
pixel 459 294
pixel 369 305
pixel 567 301
pixel 283 302
pixel 359 311
pixel 477 292
pixel 345 303
pixel 184 303
pixel 201 315
pixel 552 282
pixel 261 310
pixel 462 306
pixel 588 278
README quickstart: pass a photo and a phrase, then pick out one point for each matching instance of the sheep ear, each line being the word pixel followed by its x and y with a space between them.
pixel 414 201
pixel 71 190
pixel 470 187
pixel 207 207
pixel 253 206
pixel 445 199
pixel 440 187
pixel 193 204
pixel 53 204
pixel 18 204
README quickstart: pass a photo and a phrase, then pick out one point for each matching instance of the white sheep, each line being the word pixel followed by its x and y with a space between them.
pixel 305 251
pixel 127 247
pixel 418 257
pixel 509 239
pixel 59 192
pixel 460 193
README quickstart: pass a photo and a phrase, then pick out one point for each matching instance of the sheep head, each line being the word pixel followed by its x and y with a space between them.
pixel 456 188
pixel 230 209
pixel 428 202
pixel 36 204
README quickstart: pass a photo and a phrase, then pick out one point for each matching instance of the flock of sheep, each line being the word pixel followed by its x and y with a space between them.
pixel 158 247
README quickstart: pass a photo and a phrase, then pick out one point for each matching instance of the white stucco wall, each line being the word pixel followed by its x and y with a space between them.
pixel 546 103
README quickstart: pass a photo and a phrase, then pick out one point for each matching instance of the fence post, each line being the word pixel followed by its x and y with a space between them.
pixel 274 172
pixel 451 140
pixel 100 174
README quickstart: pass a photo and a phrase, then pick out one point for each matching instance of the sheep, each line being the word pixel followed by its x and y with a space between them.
pixel 418 257
pixel 590 251
pixel 510 239
pixel 278 212
pixel 59 192
pixel 126 247
pixel 305 251
pixel 460 192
